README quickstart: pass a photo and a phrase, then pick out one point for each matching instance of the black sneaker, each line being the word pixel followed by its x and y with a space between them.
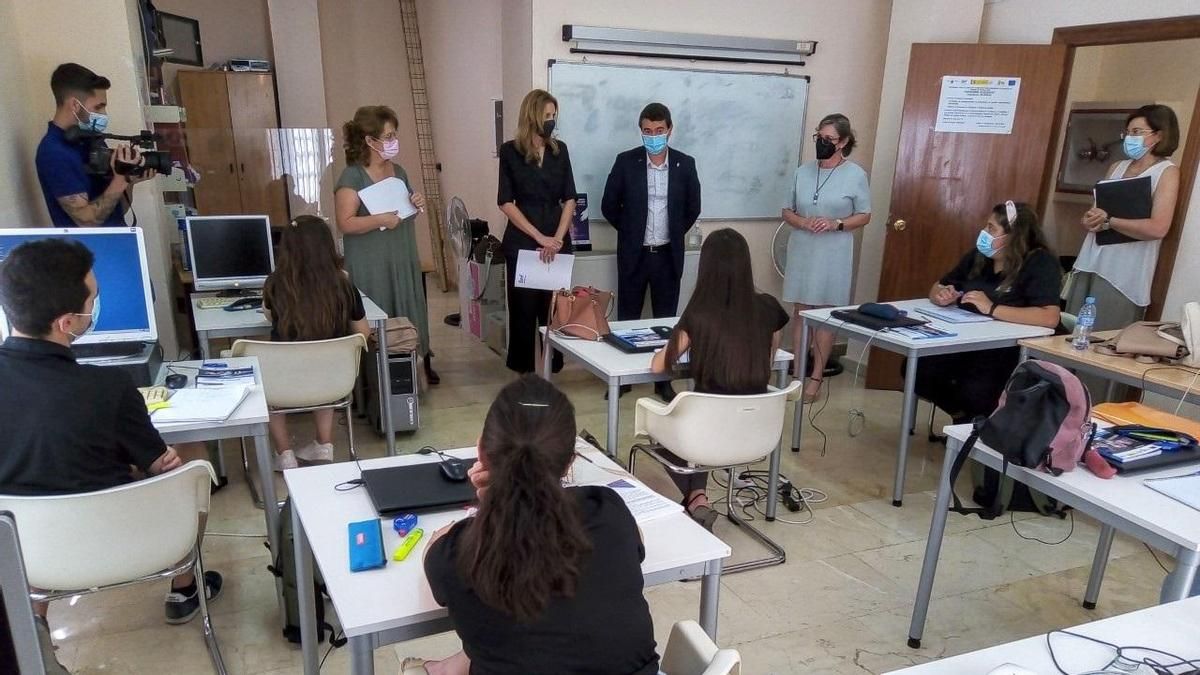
pixel 183 608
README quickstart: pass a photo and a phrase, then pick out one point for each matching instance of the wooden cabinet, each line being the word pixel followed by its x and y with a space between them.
pixel 232 126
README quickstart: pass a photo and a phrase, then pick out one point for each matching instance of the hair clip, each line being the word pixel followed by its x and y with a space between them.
pixel 529 404
pixel 1010 210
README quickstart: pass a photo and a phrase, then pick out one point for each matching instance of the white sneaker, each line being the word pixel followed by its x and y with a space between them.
pixel 285 460
pixel 316 452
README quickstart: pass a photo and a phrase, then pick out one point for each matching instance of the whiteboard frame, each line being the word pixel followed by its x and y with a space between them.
pixel 586 62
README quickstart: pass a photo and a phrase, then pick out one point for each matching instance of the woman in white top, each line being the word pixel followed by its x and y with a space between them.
pixel 1119 275
pixel 830 199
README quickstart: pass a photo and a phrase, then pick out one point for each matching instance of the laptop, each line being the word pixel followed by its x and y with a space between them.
pixel 639 340
pixel 415 488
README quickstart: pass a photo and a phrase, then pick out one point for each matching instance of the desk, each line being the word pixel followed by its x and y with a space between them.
pixel 217 323
pixel 395 604
pixel 1173 627
pixel 1121 503
pixel 617 368
pixel 250 419
pixel 970 337
pixel 1151 377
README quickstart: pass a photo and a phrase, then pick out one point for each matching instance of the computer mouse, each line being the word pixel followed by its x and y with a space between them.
pixel 454 469
pixel 176 381
pixel 243 304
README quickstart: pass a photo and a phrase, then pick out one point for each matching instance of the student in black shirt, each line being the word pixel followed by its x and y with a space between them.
pixel 66 427
pixel 729 332
pixel 537 193
pixel 309 297
pixel 1011 275
pixel 543 579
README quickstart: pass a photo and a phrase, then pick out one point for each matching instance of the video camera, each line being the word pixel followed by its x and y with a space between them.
pixel 99 157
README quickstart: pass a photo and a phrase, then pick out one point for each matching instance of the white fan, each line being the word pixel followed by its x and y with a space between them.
pixel 458 227
pixel 779 247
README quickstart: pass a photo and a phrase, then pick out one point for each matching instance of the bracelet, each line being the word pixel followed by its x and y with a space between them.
pixel 992 311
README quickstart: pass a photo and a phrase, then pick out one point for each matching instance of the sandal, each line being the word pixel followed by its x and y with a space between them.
pixel 703 514
pixel 812 398
pixel 413 666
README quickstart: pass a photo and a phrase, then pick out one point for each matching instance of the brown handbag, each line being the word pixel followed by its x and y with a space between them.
pixel 581 312
pixel 1140 340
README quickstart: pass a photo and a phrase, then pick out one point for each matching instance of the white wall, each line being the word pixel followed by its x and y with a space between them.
pixel 20 196
pixel 846 70
pixel 516 57
pixel 299 75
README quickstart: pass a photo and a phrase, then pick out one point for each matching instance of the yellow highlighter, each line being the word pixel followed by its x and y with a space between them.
pixel 407 544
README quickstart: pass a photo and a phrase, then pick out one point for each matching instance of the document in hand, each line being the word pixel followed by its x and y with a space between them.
pixel 389 195
pixel 208 404
pixel 533 273
pixel 1122 198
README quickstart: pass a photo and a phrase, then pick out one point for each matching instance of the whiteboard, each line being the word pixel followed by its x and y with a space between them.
pixel 744 129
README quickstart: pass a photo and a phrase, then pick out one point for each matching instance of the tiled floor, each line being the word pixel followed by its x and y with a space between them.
pixel 841 604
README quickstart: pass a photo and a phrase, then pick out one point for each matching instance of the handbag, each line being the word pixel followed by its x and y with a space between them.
pixel 1141 341
pixel 1189 327
pixel 581 312
pixel 402 335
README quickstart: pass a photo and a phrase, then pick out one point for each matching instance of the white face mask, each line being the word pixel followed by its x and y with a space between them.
pixel 93 317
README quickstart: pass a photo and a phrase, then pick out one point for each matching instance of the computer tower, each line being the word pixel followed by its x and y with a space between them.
pixel 405 403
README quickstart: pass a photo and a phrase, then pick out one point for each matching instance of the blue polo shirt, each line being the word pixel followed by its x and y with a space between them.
pixel 61 169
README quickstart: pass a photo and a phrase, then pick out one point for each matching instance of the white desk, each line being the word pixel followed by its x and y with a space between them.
pixel 1173 627
pixel 617 368
pixel 394 604
pixel 215 322
pixel 1121 503
pixel 970 337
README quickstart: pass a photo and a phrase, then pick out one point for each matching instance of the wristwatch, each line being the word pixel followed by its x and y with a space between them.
pixel 1107 225
pixel 841 225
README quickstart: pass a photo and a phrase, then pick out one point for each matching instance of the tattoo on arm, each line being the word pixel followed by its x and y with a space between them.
pixel 84 212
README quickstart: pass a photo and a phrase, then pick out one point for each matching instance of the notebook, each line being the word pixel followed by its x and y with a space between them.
pixel 638 340
pixel 1127 454
pixel 208 404
pixel 415 488
pixel 1129 198
pixel 1184 489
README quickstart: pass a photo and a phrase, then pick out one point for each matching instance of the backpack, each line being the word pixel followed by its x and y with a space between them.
pixel 284 567
pixel 1043 421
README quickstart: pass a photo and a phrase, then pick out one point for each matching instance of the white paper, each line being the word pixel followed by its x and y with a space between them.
pixel 389 195
pixel 952 314
pixel 643 503
pixel 977 104
pixel 207 404
pixel 1184 489
pixel 533 273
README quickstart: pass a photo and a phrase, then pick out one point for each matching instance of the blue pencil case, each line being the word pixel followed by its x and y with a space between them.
pixel 366 545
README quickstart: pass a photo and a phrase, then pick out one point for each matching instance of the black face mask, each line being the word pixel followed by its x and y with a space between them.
pixel 547 128
pixel 825 148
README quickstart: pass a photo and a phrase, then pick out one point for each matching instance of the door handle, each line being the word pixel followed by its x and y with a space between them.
pixel 899 225
pixel 243 167
pixel 231 167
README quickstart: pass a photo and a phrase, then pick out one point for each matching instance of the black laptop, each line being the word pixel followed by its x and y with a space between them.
pixel 415 488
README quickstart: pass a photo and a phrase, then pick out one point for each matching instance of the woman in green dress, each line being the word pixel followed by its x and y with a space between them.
pixel 381 250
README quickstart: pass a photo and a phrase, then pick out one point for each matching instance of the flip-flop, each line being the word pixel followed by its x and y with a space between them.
pixel 704 515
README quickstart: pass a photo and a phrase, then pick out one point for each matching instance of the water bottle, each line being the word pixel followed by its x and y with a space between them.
pixel 695 238
pixel 1084 324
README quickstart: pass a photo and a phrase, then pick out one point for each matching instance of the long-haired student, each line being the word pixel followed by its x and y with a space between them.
pixel 728 333
pixel 1011 275
pixel 309 296
pixel 544 579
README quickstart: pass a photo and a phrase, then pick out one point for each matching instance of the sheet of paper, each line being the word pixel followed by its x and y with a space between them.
pixel 645 504
pixel 977 105
pixel 533 273
pixel 1184 489
pixel 207 404
pixel 951 314
pixel 389 195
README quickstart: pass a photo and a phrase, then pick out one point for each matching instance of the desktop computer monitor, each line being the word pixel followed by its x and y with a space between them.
pixel 230 252
pixel 123 277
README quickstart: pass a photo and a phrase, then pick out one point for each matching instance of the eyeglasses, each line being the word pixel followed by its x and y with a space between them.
pixel 830 139
pixel 387 137
pixel 1137 131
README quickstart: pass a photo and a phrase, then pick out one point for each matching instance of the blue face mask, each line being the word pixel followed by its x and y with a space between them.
pixel 654 144
pixel 96 122
pixel 985 243
pixel 1135 147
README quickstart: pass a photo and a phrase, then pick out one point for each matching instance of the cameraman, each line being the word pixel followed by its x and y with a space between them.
pixel 73 196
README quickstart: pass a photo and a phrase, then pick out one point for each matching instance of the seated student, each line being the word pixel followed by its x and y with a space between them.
pixel 1011 275
pixel 309 297
pixel 68 427
pixel 728 332
pixel 544 579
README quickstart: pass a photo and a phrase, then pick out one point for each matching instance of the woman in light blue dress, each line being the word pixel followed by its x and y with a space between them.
pixel 830 199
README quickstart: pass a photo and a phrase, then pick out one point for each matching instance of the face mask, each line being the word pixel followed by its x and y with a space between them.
pixel 654 144
pixel 825 148
pixel 93 317
pixel 390 149
pixel 547 128
pixel 1135 147
pixel 96 122
pixel 986 244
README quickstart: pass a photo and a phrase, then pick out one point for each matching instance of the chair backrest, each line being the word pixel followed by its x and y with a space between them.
pixel 691 652
pixel 718 430
pixel 303 374
pixel 95 539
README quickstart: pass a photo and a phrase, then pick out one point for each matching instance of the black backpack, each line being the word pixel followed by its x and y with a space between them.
pixel 284 567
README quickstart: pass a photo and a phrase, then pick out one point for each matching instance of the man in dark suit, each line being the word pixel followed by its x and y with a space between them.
pixel 652 198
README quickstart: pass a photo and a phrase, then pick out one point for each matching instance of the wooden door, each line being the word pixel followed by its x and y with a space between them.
pixel 256 131
pixel 947 183
pixel 210 143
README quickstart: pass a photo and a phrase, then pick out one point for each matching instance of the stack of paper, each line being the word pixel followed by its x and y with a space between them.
pixel 220 376
pixel 952 314
pixel 645 504
pixel 211 404
pixel 389 195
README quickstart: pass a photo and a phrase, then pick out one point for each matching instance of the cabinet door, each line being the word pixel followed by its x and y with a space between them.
pixel 210 142
pixel 256 131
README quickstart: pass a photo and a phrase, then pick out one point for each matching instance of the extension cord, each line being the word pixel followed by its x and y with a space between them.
pixel 789 500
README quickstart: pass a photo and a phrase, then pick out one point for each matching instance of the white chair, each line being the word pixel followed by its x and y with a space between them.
pixel 712 432
pixel 691 652
pixel 302 377
pixel 144 531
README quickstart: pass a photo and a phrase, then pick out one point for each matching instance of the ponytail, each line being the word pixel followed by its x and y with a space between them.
pixel 526 545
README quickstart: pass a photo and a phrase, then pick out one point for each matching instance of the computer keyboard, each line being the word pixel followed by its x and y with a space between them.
pixel 107 350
